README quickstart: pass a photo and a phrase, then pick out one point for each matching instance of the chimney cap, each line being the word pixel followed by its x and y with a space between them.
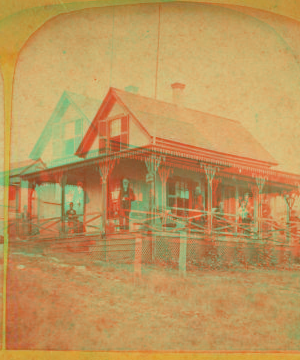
pixel 178 85
pixel 131 88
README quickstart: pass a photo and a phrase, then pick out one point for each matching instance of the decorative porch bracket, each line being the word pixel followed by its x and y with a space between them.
pixel 152 164
pixel 164 173
pixel 237 205
pixel 31 187
pixel 255 191
pixel 290 199
pixel 105 169
pixel 260 183
pixel 62 180
pixel 215 185
pixel 210 172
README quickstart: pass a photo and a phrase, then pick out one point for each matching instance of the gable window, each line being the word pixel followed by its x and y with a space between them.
pixel 66 138
pixel 113 134
pixel 72 136
pixel 115 128
pixel 57 131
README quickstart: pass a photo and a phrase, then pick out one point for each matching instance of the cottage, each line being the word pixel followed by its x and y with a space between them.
pixel 185 170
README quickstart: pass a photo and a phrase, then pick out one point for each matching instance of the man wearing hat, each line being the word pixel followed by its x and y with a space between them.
pixel 126 197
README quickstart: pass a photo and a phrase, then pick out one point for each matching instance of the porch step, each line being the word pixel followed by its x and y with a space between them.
pixel 76 244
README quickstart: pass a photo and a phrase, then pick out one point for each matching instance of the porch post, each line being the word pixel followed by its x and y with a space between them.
pixel 210 172
pixel 31 186
pixel 105 169
pixel 63 182
pixel 164 173
pixel 18 209
pixel 38 195
pixel 152 164
pixel 290 201
pixel 84 204
pixel 215 184
pixel 260 182
pixel 104 203
pixel 236 207
pixel 255 193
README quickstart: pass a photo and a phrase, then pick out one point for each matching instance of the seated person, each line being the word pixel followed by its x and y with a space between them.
pixel 71 214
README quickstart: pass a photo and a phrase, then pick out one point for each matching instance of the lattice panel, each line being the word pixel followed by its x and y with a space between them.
pixel 167 250
pixel 284 258
pixel 192 252
pixel 97 253
pixel 147 250
pixel 226 255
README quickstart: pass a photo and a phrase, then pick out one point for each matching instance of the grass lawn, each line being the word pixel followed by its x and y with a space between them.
pixel 71 303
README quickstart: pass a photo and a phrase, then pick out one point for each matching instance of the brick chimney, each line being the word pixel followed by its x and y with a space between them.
pixel 178 94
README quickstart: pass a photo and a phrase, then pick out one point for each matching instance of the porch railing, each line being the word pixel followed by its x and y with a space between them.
pixel 224 226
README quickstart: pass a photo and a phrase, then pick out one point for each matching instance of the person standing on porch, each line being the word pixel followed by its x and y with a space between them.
pixel 221 219
pixel 78 197
pixel 126 197
pixel 245 213
pixel 198 207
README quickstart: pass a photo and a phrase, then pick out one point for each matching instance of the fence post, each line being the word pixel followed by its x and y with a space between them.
pixel 182 253
pixel 138 255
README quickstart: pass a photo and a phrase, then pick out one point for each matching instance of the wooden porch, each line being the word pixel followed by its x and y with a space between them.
pixel 97 232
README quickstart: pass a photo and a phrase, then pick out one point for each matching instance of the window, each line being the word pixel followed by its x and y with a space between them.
pixel 72 136
pixel 115 132
pixel 179 196
pixel 56 148
pixel 115 128
pixel 66 138
pixel 57 131
pixel 115 135
pixel 69 130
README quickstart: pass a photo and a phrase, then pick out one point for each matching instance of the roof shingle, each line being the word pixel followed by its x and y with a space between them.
pixel 193 127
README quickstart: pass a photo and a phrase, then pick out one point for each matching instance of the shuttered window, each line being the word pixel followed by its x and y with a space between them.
pixel 66 138
pixel 113 134
pixel 102 136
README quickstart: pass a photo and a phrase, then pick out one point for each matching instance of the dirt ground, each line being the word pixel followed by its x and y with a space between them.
pixel 71 303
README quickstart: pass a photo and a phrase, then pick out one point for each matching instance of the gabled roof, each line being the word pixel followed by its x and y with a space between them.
pixel 88 107
pixel 19 168
pixel 187 126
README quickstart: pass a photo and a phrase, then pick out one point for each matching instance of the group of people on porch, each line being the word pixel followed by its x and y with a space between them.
pixel 198 216
pixel 125 199
pixel 221 220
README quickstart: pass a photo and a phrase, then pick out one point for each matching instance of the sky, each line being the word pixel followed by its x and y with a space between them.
pixel 242 66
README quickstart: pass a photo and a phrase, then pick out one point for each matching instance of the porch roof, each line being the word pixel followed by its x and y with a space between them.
pixel 173 158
